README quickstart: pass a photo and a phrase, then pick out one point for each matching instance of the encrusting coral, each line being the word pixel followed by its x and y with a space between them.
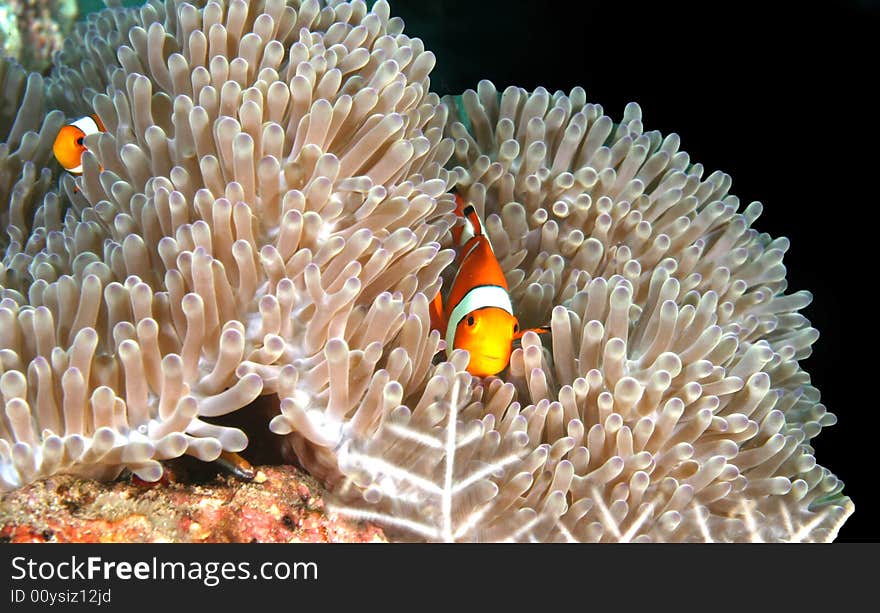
pixel 32 30
pixel 281 505
pixel 266 214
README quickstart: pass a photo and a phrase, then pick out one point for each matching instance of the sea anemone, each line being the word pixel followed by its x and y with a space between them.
pixel 242 209
pixel 669 403
pixel 266 215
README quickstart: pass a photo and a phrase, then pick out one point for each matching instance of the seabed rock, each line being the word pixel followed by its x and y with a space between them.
pixel 281 505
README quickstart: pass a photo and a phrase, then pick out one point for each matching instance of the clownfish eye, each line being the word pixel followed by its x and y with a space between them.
pixel 79 141
pixel 516 327
pixel 470 320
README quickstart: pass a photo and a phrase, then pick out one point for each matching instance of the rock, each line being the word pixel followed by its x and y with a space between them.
pixel 281 505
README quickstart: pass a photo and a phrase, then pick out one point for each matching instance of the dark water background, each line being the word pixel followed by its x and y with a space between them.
pixel 90 6
pixel 776 95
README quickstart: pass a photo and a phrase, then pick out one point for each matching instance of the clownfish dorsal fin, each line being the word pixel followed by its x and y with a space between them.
pixel 470 214
pixel 470 226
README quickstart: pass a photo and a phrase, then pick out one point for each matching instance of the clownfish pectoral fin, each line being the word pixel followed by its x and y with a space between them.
pixel 539 330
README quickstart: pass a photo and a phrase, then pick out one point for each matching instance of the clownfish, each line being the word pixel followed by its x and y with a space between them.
pixel 69 144
pixel 478 314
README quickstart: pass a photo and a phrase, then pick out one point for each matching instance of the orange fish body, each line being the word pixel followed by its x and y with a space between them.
pixel 478 314
pixel 69 144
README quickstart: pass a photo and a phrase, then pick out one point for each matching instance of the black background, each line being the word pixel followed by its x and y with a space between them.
pixel 775 94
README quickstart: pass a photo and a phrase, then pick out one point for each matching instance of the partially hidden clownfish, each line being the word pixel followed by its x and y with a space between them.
pixel 477 314
pixel 69 144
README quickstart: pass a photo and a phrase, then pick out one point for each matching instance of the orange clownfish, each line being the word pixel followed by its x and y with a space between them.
pixel 478 314
pixel 69 144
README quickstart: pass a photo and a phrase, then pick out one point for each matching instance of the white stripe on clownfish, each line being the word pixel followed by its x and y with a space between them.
pixel 87 124
pixel 479 297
